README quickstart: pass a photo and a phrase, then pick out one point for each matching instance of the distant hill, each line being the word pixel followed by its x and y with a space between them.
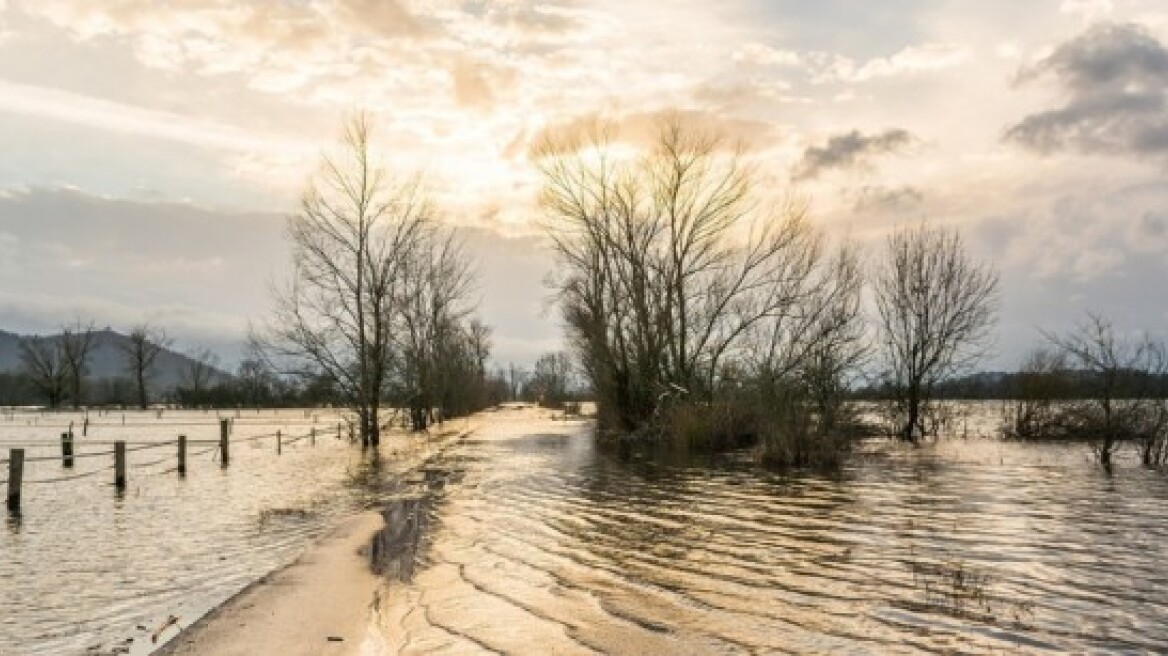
pixel 107 360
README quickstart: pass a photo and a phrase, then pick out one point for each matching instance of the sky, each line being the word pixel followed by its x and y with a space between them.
pixel 150 151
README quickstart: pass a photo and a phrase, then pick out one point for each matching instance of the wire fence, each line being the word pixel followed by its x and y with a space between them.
pixel 14 465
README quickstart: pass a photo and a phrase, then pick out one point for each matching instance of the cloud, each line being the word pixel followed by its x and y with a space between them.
pixel 1090 10
pixel 849 150
pixel 1115 77
pixel 204 273
pixel 118 117
pixel 821 66
pixel 887 199
pixel 640 129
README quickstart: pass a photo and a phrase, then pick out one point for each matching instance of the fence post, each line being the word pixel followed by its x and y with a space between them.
pixel 67 449
pixel 15 473
pixel 279 442
pixel 312 436
pixel 224 451
pixel 120 465
pixel 338 431
pixel 182 455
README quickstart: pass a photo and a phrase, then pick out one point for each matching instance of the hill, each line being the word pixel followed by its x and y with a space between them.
pixel 107 360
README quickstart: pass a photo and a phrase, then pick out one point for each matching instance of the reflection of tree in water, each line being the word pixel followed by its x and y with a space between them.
pixel 394 551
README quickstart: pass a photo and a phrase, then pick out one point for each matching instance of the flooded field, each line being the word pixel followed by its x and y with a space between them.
pixel 85 570
pixel 536 543
pixel 524 538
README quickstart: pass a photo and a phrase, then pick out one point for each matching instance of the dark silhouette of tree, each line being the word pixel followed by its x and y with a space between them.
pixel 141 349
pixel 43 362
pixel 936 308
pixel 76 344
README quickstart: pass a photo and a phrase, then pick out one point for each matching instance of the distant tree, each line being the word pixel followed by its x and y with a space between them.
pixel 141 349
pixel 1033 412
pixel 1126 401
pixel 550 379
pixel 76 344
pixel 200 367
pixel 44 363
pixel 198 371
pixel 516 381
pixel 935 309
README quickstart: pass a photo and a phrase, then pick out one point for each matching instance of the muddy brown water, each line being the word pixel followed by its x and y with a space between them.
pixel 542 544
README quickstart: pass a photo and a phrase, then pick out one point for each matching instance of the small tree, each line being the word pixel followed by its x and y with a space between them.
pixel 550 379
pixel 43 361
pixel 1034 410
pixel 199 368
pixel 141 349
pixel 1125 400
pixel 76 344
pixel 935 308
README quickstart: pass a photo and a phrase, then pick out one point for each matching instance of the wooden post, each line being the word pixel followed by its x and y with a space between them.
pixel 338 431
pixel 182 455
pixel 312 436
pixel 15 473
pixel 120 465
pixel 67 449
pixel 224 451
pixel 279 443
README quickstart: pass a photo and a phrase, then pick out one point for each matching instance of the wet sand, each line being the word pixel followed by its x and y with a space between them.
pixel 319 604
pixel 327 601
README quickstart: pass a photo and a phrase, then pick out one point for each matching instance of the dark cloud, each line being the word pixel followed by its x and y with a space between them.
pixel 1116 77
pixel 850 149
pixel 883 199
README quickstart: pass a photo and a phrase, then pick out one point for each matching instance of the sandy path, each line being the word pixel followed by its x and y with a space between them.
pixel 326 593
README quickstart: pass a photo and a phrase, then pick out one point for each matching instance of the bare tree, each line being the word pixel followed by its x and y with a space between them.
pixel 1125 401
pixel 550 379
pixel 431 309
pixel 199 370
pixel 76 344
pixel 936 308
pixel 353 238
pixel 44 363
pixel 675 270
pixel 1042 382
pixel 141 349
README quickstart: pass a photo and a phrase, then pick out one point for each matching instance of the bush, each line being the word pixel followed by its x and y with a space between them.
pixel 784 432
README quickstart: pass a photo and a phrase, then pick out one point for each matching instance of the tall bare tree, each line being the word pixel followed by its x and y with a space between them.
pixel 76 344
pixel 356 232
pixel 43 361
pixel 936 308
pixel 430 338
pixel 141 349
pixel 674 267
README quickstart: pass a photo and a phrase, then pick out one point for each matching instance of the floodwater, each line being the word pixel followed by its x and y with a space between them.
pixel 531 541
pixel 84 570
